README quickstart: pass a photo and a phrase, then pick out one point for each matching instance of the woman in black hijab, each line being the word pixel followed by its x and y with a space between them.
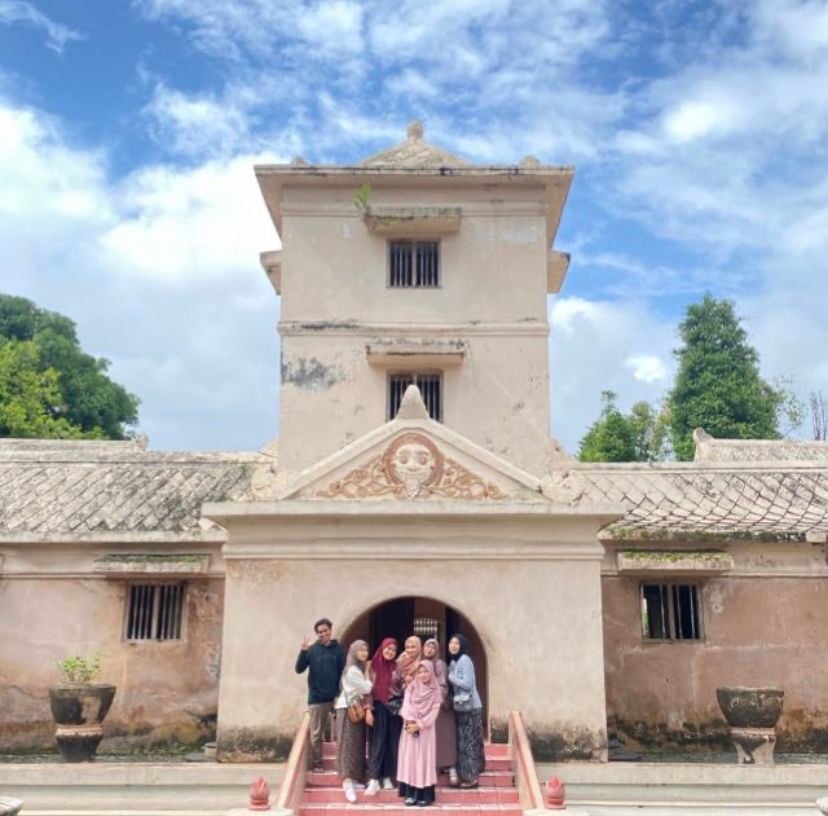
pixel 468 712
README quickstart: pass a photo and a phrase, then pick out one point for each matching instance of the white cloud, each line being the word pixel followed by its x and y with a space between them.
pixel 22 11
pixel 43 178
pixel 198 125
pixel 647 368
pixel 334 26
pixel 180 225
pixel 160 272
pixel 591 345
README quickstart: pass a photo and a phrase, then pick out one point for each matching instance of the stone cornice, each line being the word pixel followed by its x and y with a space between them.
pixel 528 328
pixel 362 549
pixel 441 530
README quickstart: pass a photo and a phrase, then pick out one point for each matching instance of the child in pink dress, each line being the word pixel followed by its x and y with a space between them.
pixel 417 762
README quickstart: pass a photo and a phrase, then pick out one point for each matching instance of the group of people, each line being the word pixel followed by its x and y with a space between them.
pixel 402 718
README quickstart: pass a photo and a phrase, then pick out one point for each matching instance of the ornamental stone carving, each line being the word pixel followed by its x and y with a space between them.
pixel 565 486
pixel 411 467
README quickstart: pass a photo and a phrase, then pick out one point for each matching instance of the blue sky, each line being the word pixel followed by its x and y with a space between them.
pixel 699 133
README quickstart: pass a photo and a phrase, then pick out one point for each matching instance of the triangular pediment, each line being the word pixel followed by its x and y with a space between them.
pixel 414 153
pixel 413 458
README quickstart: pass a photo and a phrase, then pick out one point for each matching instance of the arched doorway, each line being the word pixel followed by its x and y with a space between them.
pixel 425 617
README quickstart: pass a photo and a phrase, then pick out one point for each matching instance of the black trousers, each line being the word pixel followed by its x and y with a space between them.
pixel 384 743
pixel 420 794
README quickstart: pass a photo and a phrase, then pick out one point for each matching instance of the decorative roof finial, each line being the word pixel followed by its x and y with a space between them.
pixel 414 131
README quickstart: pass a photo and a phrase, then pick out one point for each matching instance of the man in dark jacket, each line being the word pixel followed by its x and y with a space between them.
pixel 325 661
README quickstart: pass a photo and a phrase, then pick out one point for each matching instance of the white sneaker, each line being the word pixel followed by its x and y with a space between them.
pixel 373 788
pixel 350 793
pixel 387 784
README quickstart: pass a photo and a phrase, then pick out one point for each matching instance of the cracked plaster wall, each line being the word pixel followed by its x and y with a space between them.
pixel 492 295
pixel 764 625
pixel 167 691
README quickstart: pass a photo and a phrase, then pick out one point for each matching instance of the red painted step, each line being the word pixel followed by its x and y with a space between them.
pixel 330 779
pixel 496 796
pixel 493 750
pixel 344 809
pixel 454 796
pixel 493 763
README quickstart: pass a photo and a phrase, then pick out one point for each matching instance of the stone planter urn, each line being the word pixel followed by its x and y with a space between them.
pixel 752 714
pixel 9 806
pixel 79 707
pixel 79 712
pixel 821 803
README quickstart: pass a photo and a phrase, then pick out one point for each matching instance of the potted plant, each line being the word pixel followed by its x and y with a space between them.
pixel 79 707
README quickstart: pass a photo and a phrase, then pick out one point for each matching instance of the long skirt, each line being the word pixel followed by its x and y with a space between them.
pixel 350 757
pixel 471 761
pixel 446 739
pixel 384 743
pixel 417 763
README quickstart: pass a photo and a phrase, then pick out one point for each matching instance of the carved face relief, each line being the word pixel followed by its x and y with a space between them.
pixel 413 462
pixel 411 467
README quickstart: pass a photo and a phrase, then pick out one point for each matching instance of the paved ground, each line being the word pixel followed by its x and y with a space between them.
pixel 107 788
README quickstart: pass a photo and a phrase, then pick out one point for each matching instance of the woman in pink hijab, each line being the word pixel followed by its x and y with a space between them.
pixel 417 763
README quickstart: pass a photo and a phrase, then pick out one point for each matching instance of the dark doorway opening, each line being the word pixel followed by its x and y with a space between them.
pixel 425 617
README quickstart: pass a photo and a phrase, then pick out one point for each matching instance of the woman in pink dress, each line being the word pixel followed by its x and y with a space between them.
pixel 417 763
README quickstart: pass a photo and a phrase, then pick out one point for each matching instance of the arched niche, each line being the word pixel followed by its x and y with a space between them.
pixel 426 617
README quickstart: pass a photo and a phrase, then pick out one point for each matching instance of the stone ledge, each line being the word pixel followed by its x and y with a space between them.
pixel 674 561
pixel 412 221
pixel 415 352
pixel 153 564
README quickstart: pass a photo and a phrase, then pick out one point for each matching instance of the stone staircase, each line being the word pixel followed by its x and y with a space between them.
pixel 496 795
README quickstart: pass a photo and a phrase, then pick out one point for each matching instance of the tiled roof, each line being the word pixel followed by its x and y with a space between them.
pixel 709 449
pixel 51 487
pixel 696 500
pixel 414 153
pixel 94 488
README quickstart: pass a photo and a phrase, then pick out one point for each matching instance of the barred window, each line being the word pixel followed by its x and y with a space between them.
pixel 431 388
pixel 427 628
pixel 154 611
pixel 413 264
pixel 670 612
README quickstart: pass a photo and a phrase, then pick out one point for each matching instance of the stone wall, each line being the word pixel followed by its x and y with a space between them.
pixel 763 625
pixel 167 691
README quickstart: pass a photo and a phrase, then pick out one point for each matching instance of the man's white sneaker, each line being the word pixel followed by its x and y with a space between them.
pixel 350 793
pixel 373 788
pixel 387 784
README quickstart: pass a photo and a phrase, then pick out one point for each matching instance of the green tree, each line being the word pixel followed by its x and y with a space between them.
pixel 651 431
pixel 718 386
pixel 610 438
pixel 640 436
pixel 50 387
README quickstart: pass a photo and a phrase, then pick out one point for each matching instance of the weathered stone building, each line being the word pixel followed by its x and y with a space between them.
pixel 592 593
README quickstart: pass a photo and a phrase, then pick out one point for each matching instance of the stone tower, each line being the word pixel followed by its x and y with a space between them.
pixel 414 265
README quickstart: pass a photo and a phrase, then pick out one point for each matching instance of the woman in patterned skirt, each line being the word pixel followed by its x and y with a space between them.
pixel 468 712
pixel 356 687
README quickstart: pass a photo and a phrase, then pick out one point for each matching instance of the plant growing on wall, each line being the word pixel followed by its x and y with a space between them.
pixel 362 197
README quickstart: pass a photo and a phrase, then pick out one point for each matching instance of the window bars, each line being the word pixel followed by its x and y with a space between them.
pixel 413 264
pixel 431 389
pixel 426 628
pixel 670 612
pixel 155 611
